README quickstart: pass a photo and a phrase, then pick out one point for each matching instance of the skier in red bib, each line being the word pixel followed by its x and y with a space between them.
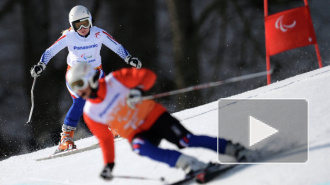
pixel 116 102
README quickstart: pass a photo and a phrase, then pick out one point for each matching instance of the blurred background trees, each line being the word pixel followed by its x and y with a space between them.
pixel 185 42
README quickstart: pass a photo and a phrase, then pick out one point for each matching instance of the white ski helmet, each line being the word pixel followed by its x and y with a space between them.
pixel 80 76
pixel 78 13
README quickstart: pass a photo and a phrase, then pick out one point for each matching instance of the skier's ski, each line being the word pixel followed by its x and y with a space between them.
pixel 210 172
pixel 186 179
pixel 162 179
pixel 69 152
pixel 216 170
pixel 72 151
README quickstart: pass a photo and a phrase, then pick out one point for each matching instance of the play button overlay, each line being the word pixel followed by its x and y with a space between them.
pixel 259 131
pixel 276 128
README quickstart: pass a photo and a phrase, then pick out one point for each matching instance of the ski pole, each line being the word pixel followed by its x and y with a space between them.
pixel 207 85
pixel 139 178
pixel 32 99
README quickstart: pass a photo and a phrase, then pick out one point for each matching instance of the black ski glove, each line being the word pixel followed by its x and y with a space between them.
pixel 36 70
pixel 133 61
pixel 134 97
pixel 106 173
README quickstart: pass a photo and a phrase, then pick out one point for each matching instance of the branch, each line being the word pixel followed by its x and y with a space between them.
pixel 208 10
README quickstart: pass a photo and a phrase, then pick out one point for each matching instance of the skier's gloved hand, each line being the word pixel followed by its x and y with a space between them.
pixel 106 173
pixel 36 70
pixel 133 61
pixel 134 97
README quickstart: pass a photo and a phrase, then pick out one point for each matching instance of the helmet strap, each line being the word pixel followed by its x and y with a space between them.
pixel 85 35
pixel 94 93
pixel 88 33
pixel 94 81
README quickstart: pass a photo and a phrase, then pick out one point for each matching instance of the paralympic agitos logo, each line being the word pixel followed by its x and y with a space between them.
pixel 283 27
pixel 85 57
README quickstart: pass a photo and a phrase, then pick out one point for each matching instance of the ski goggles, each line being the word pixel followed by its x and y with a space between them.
pixel 82 23
pixel 79 84
pixel 82 82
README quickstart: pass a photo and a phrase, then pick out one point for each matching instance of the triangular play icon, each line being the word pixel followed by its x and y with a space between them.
pixel 259 131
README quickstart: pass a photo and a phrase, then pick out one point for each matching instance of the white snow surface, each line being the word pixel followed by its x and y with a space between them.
pixel 84 168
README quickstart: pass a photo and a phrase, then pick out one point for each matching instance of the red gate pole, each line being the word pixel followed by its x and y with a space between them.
pixel 267 54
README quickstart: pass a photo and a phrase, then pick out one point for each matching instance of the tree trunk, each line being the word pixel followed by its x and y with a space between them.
pixel 185 45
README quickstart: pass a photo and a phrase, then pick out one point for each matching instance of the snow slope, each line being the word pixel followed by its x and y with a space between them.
pixel 84 168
